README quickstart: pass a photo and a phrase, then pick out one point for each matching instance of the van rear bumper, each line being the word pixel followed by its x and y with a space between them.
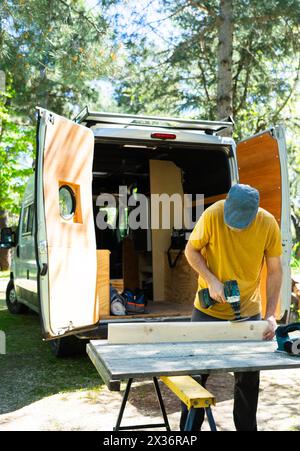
pixel 101 331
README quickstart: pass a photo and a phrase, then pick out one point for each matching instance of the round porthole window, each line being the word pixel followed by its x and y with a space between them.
pixel 67 202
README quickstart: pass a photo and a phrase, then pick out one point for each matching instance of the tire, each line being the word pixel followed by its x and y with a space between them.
pixel 14 307
pixel 68 347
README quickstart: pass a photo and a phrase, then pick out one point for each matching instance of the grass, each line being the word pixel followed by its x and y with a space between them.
pixel 29 370
pixel 4 274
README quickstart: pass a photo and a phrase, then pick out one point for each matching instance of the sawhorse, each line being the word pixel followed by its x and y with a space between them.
pixel 189 391
pixel 165 424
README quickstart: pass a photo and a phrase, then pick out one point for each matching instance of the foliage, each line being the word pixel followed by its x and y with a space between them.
pixel 295 260
pixel 177 74
pixel 51 51
pixel 16 151
pixel 4 274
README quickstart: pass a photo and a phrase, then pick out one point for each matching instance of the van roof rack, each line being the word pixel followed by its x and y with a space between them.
pixel 90 118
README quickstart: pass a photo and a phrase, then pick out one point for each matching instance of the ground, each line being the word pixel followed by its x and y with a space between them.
pixel 39 392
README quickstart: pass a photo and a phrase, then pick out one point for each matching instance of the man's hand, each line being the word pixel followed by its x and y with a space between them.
pixel 197 262
pixel 216 290
pixel 269 333
pixel 274 279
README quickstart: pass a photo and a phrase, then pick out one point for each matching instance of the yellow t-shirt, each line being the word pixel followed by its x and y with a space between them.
pixel 237 255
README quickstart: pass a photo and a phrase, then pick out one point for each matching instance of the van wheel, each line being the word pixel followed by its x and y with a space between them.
pixel 12 303
pixel 68 347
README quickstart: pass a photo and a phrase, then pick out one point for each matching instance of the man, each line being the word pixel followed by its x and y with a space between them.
pixel 230 241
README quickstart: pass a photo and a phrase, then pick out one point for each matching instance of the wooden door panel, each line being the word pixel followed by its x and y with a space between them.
pixel 71 244
pixel 259 166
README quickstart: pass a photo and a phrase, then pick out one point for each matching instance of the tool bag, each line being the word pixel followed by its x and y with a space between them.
pixel 117 303
pixel 135 301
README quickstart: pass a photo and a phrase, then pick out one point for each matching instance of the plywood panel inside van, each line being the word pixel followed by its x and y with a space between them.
pixel 165 177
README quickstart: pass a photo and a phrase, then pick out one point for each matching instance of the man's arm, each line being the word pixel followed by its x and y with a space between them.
pixel 197 262
pixel 274 280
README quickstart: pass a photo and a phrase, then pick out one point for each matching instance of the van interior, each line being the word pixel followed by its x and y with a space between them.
pixel 138 258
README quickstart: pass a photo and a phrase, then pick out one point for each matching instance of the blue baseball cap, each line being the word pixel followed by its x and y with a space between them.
pixel 241 206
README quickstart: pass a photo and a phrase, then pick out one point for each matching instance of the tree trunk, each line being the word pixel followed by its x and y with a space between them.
pixel 4 253
pixel 225 84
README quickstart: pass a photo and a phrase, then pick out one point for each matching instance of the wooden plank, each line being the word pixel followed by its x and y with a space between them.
pixel 169 183
pixel 175 359
pixel 118 284
pixel 185 332
pixel 103 280
pixel 189 391
pixel 113 385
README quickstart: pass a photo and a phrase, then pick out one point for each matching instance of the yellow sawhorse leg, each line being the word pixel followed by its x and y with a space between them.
pixel 194 396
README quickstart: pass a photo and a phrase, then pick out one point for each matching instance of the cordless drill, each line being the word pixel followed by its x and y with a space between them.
pixel 232 295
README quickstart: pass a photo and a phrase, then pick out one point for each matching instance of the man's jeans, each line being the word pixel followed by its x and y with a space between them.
pixel 246 390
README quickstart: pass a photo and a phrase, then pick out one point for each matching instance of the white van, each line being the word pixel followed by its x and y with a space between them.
pixel 63 265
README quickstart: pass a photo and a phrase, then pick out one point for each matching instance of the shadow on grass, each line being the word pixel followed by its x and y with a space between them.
pixel 29 371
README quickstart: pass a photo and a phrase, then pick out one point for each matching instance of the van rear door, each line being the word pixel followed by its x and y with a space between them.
pixel 262 163
pixel 65 235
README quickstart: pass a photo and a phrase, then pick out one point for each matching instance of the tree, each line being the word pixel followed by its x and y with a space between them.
pixel 294 176
pixel 50 51
pixel 225 49
pixel 16 146
pixel 53 49
pixel 179 73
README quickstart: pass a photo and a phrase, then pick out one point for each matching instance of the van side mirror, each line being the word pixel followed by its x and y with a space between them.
pixel 7 238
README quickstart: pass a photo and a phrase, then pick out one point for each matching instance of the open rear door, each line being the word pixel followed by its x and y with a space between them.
pixel 65 234
pixel 262 162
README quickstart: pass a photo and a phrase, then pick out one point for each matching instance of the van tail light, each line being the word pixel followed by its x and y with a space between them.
pixel 163 135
